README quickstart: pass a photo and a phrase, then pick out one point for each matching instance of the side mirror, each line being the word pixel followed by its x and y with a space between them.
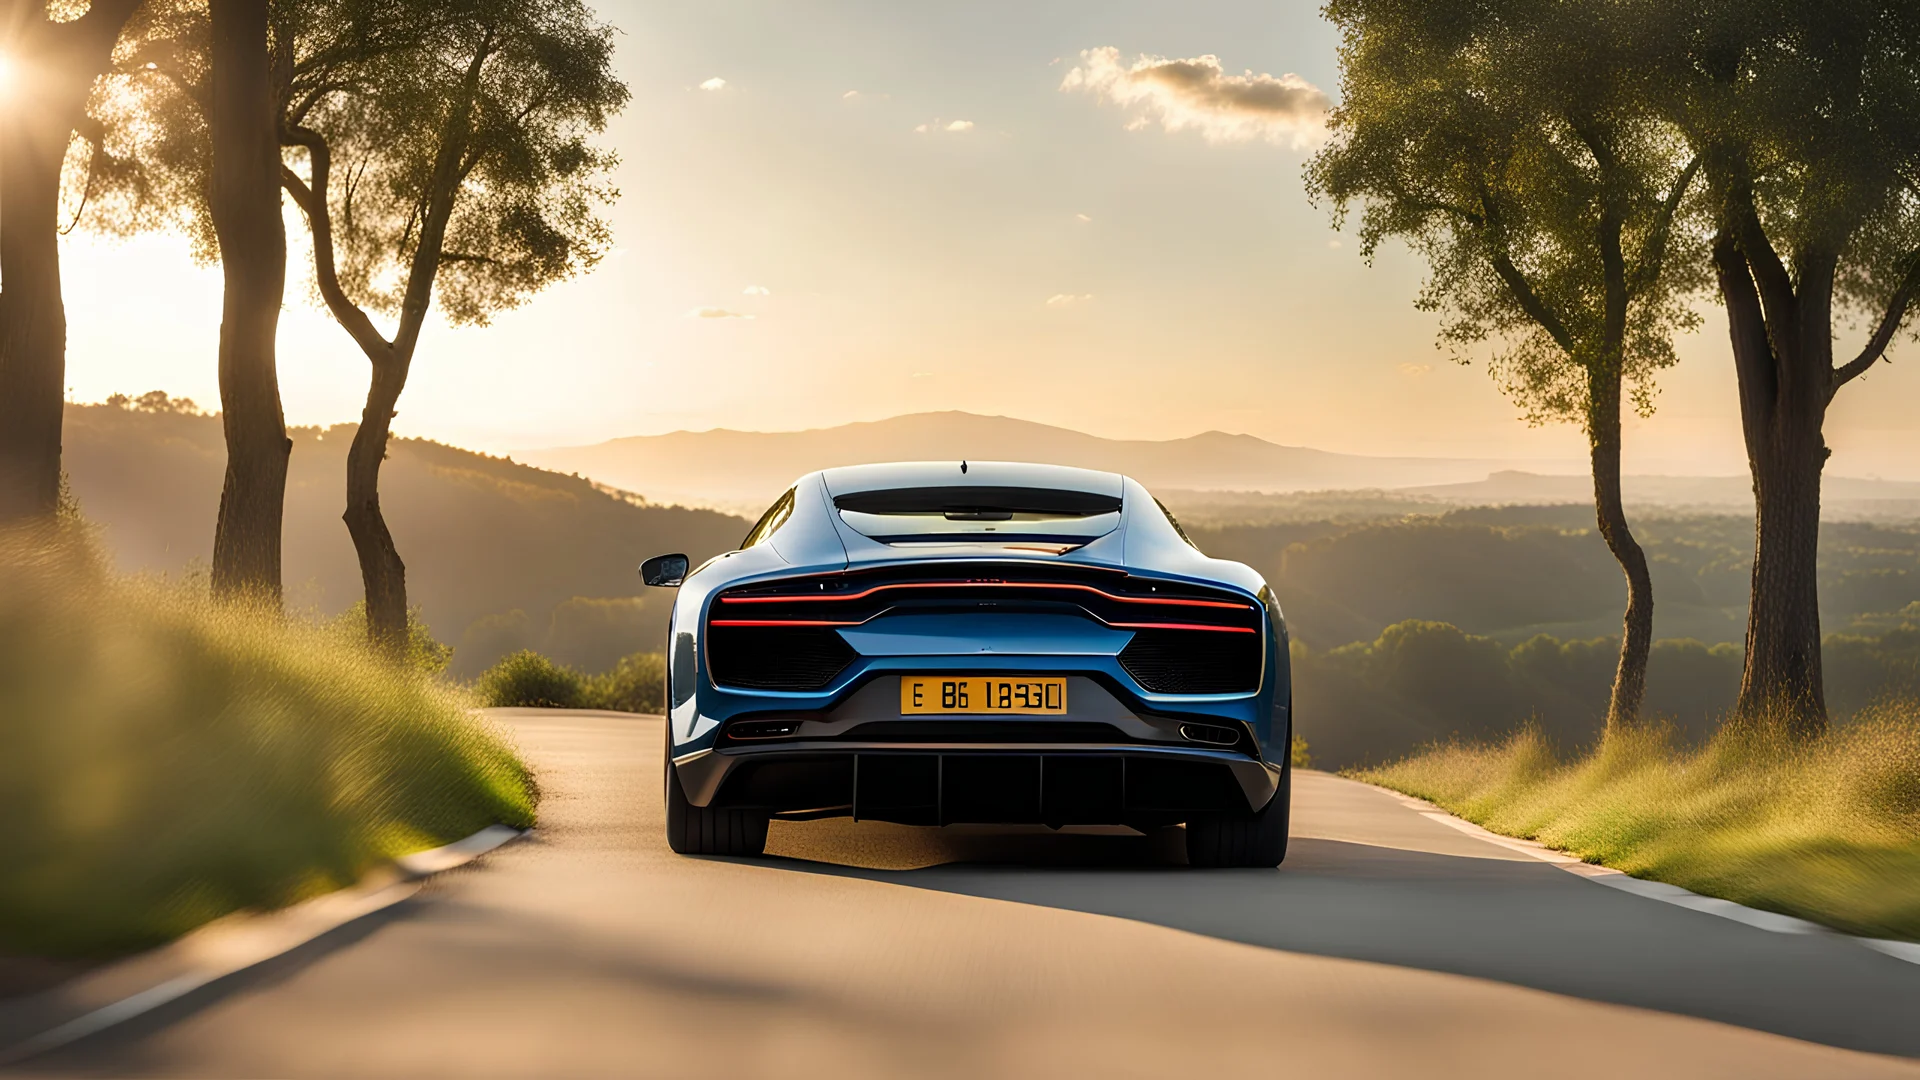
pixel 664 570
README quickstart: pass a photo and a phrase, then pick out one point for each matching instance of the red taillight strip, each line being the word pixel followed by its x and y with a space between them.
pixel 811 598
pixel 1117 625
pixel 778 622
pixel 1181 626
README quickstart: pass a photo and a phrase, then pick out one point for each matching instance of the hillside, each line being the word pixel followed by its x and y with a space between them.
pixel 742 469
pixel 503 556
pixel 499 555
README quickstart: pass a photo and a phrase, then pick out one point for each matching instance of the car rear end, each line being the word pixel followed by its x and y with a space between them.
pixel 974 661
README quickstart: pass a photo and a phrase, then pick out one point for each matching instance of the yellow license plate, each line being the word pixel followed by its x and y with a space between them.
pixel 920 694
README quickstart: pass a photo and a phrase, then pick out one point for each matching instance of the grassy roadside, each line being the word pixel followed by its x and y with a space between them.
pixel 164 761
pixel 1828 831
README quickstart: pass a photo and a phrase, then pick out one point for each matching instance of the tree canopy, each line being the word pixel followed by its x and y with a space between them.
pixel 1513 148
pixel 375 79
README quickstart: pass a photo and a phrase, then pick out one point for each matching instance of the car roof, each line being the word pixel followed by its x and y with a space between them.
pixel 957 474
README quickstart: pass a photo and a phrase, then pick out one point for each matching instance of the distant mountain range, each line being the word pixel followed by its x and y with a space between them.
pixel 742 470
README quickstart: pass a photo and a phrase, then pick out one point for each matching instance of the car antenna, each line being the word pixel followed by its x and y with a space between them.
pixel 963 466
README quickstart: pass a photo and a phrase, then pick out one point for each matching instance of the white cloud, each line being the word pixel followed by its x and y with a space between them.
pixel 955 127
pixel 1082 218
pixel 756 290
pixel 960 125
pixel 1334 244
pixel 715 83
pixel 1066 299
pixel 1197 94
pixel 715 313
pixel 1414 371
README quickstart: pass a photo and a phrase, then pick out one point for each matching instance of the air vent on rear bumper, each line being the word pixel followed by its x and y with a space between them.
pixel 1193 661
pixel 776 657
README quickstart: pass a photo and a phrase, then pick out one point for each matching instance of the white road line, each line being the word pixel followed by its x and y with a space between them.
pixel 1771 921
pixel 237 942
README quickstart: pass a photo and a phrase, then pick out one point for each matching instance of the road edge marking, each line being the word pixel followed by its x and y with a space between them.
pixel 1759 919
pixel 236 942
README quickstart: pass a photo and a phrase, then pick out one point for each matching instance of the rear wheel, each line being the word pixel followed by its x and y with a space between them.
pixel 706 830
pixel 1251 839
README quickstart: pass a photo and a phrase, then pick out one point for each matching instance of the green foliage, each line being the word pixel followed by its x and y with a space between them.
pixel 526 679
pixel 1511 145
pixel 1807 117
pixel 483 110
pixel 378 79
pixel 1424 681
pixel 1827 830
pixel 637 684
pixel 164 761
pixel 1298 755
pixel 1512 572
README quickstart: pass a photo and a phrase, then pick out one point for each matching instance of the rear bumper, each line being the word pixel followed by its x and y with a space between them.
pixel 926 783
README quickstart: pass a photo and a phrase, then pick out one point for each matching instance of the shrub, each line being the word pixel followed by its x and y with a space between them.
pixel 165 761
pixel 637 684
pixel 528 680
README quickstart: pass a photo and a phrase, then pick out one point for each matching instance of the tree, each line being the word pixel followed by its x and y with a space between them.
pixel 461 130
pixel 51 67
pixel 1806 115
pixel 243 202
pixel 467 165
pixel 1507 143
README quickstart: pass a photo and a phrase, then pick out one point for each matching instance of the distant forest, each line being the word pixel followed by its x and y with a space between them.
pixel 1411 621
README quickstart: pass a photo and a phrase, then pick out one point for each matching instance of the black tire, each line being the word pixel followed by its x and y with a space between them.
pixel 1251 839
pixel 703 830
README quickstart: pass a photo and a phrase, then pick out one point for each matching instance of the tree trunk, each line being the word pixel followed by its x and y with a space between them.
pixel 1783 680
pixel 1636 638
pixel 33 314
pixel 1782 353
pixel 381 570
pixel 56 64
pixel 245 205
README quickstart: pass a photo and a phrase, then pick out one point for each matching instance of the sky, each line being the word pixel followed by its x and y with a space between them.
pixel 1086 213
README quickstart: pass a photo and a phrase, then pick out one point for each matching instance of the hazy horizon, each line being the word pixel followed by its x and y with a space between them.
pixel 862 211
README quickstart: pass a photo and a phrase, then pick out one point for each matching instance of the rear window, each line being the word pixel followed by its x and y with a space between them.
pixel 977 514
pixel 770 522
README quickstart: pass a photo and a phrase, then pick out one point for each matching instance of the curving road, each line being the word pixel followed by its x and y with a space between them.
pixel 1388 945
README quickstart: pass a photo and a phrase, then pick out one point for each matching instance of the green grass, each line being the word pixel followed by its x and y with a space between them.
pixel 1827 830
pixel 165 761
pixel 637 684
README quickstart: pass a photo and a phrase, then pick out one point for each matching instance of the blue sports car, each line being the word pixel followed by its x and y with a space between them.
pixel 987 642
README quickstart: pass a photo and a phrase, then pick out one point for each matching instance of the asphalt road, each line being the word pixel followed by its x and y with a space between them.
pixel 1388 945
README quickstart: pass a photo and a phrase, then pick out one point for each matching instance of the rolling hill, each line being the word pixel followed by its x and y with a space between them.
pixel 499 555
